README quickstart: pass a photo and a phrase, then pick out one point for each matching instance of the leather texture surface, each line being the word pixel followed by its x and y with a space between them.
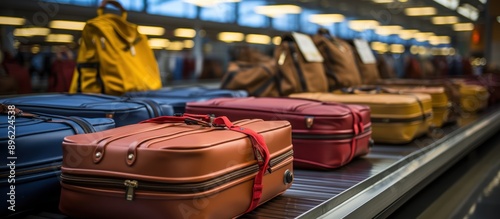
pixel 174 153
pixel 317 126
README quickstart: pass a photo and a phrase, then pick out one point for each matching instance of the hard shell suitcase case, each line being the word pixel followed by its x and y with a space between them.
pixel 325 135
pixel 124 111
pixel 473 97
pixel 441 106
pixel 178 97
pixel 32 156
pixel 396 118
pixel 206 168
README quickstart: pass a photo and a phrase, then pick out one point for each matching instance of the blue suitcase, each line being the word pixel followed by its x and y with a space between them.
pixel 178 97
pixel 124 111
pixel 31 161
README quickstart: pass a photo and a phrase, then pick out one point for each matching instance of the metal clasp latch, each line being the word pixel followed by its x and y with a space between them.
pixel 309 121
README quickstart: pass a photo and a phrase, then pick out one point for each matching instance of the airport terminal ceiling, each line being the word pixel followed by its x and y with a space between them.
pixel 438 23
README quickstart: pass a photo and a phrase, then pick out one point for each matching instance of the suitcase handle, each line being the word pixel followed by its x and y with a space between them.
pixel 259 146
pixel 117 4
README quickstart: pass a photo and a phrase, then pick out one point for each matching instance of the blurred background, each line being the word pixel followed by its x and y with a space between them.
pixel 194 40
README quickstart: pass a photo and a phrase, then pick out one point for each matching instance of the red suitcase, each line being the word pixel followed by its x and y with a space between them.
pixel 324 135
pixel 176 167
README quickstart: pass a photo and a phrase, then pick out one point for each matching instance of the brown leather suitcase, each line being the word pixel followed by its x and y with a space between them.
pixel 204 167
pixel 325 135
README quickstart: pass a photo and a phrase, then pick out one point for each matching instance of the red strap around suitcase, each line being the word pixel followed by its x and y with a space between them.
pixel 261 151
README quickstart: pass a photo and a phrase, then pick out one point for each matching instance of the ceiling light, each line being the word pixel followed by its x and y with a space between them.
pixel 387 30
pixel 463 27
pixel 150 30
pixel 277 40
pixel 326 18
pixel 361 25
pixel 59 38
pixel 158 43
pixel 422 36
pixel 31 31
pixel 437 40
pixel 403 0
pixel 451 4
pixel 397 48
pixel 67 25
pixel 445 20
pixel 230 36
pixel 422 50
pixel 277 10
pixel 11 20
pixel 468 11
pixel 421 11
pixel 382 1
pixel 185 32
pixel 379 47
pixel 177 45
pixel 414 50
pixel 258 39
pixel 407 34
pixel 208 3
pixel 188 44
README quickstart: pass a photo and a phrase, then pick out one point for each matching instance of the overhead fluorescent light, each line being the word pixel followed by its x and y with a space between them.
pixel 230 36
pixel 59 38
pixel 407 34
pixel 422 50
pixel 382 1
pixel 414 50
pixel 440 20
pixel 463 27
pixel 176 45
pixel 451 4
pixel 31 31
pixel 277 40
pixel 397 48
pixel 438 40
pixel 208 3
pixel 158 43
pixel 420 11
pixel 277 10
pixel 422 36
pixel 361 25
pixel 387 30
pixel 188 44
pixel 151 30
pixel 403 0
pixel 379 47
pixel 14 21
pixel 468 11
pixel 67 25
pixel 258 39
pixel 185 32
pixel 326 18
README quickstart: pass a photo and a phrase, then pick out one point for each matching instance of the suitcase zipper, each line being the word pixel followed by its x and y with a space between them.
pixel 132 185
pixel 329 137
pixel 405 120
pixel 35 170
pixel 87 128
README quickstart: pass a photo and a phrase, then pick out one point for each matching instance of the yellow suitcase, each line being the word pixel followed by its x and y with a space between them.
pixel 473 98
pixel 396 118
pixel 441 105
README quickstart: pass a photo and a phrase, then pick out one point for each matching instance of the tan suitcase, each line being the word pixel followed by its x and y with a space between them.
pixel 206 168
pixel 396 118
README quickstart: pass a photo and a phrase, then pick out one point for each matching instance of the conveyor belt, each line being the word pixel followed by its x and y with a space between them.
pixel 315 193
pixel 388 173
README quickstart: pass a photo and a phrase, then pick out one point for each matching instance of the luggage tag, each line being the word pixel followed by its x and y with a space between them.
pixel 307 47
pixel 364 51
